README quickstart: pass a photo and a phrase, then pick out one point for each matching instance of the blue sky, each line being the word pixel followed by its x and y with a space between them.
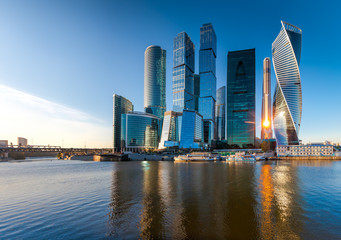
pixel 79 53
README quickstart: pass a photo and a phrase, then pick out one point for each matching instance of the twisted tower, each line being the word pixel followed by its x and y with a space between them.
pixel 287 106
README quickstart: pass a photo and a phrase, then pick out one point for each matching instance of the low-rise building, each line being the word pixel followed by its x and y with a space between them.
pixel 171 130
pixel 139 131
pixel 305 150
pixel 191 130
pixel 3 143
pixel 22 142
pixel 182 129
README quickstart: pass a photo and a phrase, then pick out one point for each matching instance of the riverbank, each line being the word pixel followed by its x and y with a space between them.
pixel 308 158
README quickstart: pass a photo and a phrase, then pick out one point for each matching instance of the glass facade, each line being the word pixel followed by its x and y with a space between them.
pixel 170 130
pixel 208 82
pixel 287 105
pixel 266 132
pixel 155 81
pixel 139 131
pixel 196 91
pixel 191 130
pixel 121 105
pixel 220 113
pixel 240 98
pixel 183 73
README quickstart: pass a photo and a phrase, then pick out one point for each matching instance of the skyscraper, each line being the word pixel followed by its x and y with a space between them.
pixel 121 105
pixel 287 106
pixel 208 85
pixel 266 132
pixel 220 113
pixel 183 73
pixel 155 81
pixel 240 98
pixel 196 91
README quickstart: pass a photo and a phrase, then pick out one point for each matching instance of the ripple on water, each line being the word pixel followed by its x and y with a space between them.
pixel 87 200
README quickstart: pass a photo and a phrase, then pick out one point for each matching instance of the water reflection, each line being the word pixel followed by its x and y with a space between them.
pixel 164 200
pixel 152 215
pixel 280 202
pixel 267 196
pixel 157 200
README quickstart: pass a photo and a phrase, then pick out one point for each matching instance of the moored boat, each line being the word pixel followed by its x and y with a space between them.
pixel 197 157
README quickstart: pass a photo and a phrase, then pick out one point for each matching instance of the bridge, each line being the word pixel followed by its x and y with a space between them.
pixel 56 149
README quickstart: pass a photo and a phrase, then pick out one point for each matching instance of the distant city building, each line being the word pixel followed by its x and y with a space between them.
pixel 266 132
pixel 287 106
pixel 183 73
pixel 155 81
pixel 240 89
pixel 220 113
pixel 191 130
pixel 139 131
pixel 3 143
pixel 208 82
pixel 171 129
pixel 22 142
pixel 305 150
pixel 121 105
pixel 196 91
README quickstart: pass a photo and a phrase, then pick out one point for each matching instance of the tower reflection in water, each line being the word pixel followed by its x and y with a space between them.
pixel 280 203
pixel 157 200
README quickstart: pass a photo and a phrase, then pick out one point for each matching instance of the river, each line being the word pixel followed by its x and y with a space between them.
pixel 55 199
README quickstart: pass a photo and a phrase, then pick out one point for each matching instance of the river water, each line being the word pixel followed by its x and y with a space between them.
pixel 54 199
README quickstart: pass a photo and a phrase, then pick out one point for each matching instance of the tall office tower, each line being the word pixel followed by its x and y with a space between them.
pixel 183 73
pixel 155 81
pixel 208 82
pixel 266 132
pixel 287 106
pixel 121 105
pixel 196 91
pixel 171 130
pixel 220 113
pixel 140 131
pixel 240 89
pixel 191 130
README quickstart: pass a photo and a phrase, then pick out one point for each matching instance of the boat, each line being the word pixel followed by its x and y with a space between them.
pixel 197 157
pixel 260 158
pixel 241 157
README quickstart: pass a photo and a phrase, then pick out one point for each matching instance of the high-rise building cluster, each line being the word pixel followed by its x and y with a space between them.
pixel 202 115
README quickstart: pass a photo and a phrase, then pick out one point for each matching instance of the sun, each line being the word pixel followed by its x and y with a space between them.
pixel 266 123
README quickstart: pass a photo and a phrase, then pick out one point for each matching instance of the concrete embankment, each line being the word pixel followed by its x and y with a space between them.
pixel 308 158
pixel 150 157
pixel 121 157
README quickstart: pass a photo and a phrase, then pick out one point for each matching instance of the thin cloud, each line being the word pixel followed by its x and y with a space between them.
pixel 46 122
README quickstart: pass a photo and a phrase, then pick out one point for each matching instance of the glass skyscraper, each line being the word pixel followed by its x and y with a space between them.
pixel 208 85
pixel 121 105
pixel 196 91
pixel 183 73
pixel 287 106
pixel 240 98
pixel 266 132
pixel 220 113
pixel 139 131
pixel 191 130
pixel 155 81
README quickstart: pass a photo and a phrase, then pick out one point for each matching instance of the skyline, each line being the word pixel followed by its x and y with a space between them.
pixel 62 55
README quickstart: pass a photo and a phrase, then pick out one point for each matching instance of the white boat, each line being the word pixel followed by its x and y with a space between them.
pixel 260 158
pixel 240 157
pixel 197 157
